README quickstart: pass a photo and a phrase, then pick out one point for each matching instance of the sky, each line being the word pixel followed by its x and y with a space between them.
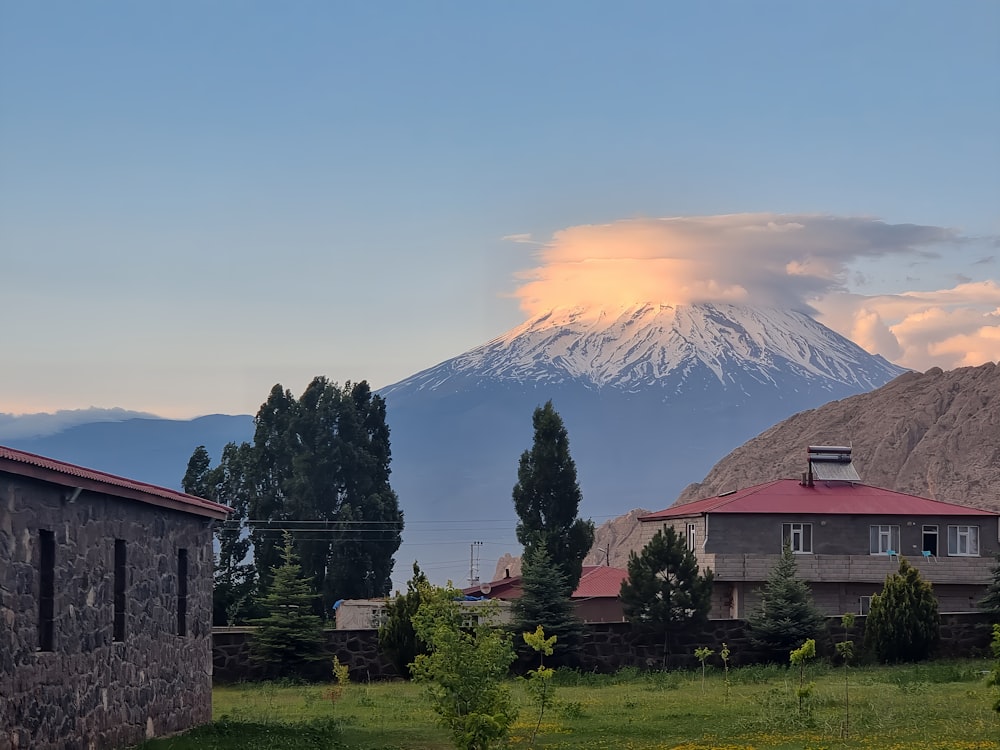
pixel 200 200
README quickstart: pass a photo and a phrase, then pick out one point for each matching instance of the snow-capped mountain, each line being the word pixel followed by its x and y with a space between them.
pixel 660 347
pixel 651 395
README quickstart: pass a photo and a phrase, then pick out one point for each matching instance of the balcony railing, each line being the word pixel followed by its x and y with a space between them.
pixel 849 568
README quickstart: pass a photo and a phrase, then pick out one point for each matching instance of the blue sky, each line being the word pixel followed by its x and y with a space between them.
pixel 198 200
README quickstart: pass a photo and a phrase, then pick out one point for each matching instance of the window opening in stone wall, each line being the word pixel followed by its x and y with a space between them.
pixel 182 591
pixel 119 626
pixel 46 590
pixel 864 605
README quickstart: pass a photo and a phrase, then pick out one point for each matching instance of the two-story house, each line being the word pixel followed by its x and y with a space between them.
pixel 846 535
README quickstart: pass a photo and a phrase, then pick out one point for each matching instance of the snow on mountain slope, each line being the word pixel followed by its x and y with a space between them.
pixel 660 346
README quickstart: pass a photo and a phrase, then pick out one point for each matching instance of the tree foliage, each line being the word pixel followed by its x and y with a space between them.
pixel 319 466
pixel 290 635
pixel 465 670
pixel 991 602
pixel 665 591
pixel 545 603
pixel 786 616
pixel 397 637
pixel 547 497
pixel 903 622
pixel 235 579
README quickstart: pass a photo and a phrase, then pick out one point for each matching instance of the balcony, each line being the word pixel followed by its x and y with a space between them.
pixel 849 568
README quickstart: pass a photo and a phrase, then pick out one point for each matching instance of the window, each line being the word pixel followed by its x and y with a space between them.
pixel 379 616
pixel 798 536
pixel 119 590
pixel 182 591
pixel 864 605
pixel 963 540
pixel 883 539
pixel 692 536
pixel 46 589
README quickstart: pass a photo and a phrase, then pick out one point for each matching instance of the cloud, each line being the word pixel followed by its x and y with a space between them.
pixel 803 262
pixel 524 239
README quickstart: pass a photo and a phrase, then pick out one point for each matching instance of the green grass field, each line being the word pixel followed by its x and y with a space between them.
pixel 938 706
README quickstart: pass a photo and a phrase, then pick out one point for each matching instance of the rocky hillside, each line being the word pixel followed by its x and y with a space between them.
pixel 935 434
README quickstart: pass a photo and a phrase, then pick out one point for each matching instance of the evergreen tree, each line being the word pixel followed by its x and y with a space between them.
pixel 397 638
pixel 903 622
pixel 544 602
pixel 786 617
pixel 664 590
pixel 319 466
pixel 235 581
pixel 547 498
pixel 290 636
pixel 991 602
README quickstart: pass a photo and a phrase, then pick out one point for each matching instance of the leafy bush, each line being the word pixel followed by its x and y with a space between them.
pixel 903 623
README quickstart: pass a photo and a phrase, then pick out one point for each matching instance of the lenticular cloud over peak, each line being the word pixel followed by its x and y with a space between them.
pixel 774 260
pixel 799 262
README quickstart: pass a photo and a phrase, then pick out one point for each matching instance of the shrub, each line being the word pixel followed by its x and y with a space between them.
pixel 903 622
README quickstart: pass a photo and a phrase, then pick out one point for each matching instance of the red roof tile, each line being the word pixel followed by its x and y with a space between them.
pixel 69 475
pixel 789 496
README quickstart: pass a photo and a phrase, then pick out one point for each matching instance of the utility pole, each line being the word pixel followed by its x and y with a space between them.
pixel 474 563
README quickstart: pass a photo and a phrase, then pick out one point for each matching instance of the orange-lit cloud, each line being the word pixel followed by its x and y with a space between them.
pixel 801 262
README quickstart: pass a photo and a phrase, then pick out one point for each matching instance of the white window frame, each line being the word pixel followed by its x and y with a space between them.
pixel 883 538
pixel 864 605
pixel 378 616
pixel 692 537
pixel 799 537
pixel 963 541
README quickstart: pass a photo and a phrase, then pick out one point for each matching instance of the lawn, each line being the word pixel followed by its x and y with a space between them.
pixel 938 706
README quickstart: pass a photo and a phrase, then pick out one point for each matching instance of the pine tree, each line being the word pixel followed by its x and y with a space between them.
pixel 903 622
pixel 547 498
pixel 544 602
pixel 786 616
pixel 664 590
pixel 290 636
pixel 397 638
pixel 991 602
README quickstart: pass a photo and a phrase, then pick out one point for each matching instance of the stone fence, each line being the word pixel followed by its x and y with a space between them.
pixel 607 647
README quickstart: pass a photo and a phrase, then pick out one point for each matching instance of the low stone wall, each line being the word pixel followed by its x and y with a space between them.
pixel 607 647
pixel 358 649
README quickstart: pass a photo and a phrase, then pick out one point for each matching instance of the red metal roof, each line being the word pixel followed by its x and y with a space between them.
pixel 69 475
pixel 596 581
pixel 789 496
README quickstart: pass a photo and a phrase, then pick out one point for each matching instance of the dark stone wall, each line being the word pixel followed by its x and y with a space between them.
pixel 90 691
pixel 607 647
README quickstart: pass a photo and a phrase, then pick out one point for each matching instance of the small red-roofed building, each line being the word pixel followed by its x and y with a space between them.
pixel 846 535
pixel 105 606
pixel 594 600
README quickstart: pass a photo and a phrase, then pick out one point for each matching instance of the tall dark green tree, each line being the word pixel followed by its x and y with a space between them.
pixel 544 601
pixel 319 467
pixel 665 591
pixel 903 622
pixel 290 635
pixel 235 580
pixel 786 616
pixel 397 637
pixel 547 498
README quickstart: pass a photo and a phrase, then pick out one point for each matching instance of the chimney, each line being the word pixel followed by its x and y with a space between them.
pixel 506 572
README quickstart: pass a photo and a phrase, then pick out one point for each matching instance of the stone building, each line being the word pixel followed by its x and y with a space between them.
pixel 105 607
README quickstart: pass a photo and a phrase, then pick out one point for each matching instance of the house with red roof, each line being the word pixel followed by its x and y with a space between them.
pixel 846 535
pixel 105 606
pixel 594 600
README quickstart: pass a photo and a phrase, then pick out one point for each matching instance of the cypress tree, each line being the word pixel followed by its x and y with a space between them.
pixel 547 498
pixel 786 616
pixel 397 637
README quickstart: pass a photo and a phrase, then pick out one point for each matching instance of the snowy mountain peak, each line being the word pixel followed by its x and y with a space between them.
pixel 652 345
